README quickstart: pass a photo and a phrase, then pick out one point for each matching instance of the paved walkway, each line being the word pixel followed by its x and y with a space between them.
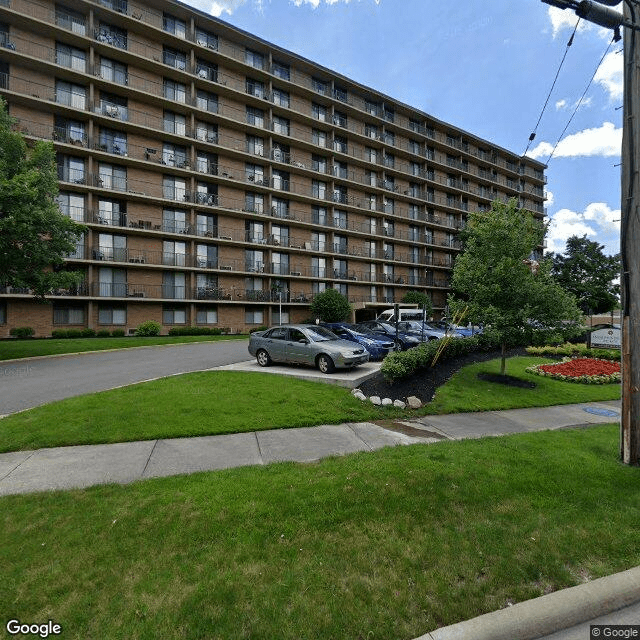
pixel 564 615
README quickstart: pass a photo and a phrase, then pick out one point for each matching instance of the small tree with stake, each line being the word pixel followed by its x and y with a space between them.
pixel 499 283
pixel 35 236
pixel 331 306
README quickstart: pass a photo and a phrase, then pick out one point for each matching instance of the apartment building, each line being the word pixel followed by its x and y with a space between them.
pixel 225 181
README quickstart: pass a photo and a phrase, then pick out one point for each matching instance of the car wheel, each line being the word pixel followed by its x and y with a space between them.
pixel 263 358
pixel 325 363
pixel 398 345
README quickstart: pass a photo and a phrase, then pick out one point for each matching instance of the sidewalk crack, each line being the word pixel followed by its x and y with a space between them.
pixel 255 434
pixel 4 477
pixel 155 444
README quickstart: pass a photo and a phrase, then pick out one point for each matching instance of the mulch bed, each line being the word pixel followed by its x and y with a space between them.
pixel 423 383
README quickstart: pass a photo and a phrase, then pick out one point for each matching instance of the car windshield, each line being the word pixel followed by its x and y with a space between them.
pixel 387 327
pixel 320 334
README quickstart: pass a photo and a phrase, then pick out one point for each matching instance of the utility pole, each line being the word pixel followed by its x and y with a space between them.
pixel 594 11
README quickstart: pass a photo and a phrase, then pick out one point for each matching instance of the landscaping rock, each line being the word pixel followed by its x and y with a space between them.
pixel 413 402
pixel 399 404
pixel 387 402
pixel 376 400
pixel 360 395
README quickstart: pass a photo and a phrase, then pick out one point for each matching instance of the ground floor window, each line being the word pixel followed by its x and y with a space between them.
pixel 69 315
pixel 112 315
pixel 3 313
pixel 254 316
pixel 280 320
pixel 207 316
pixel 173 315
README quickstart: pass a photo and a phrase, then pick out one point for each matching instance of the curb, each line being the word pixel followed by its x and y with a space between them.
pixel 548 614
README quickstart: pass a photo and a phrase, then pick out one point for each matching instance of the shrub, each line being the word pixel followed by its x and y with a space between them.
pixel 148 328
pixel 264 328
pixel 22 332
pixel 331 306
pixel 194 331
pixel 67 333
pixel 117 333
pixel 88 333
pixel 103 333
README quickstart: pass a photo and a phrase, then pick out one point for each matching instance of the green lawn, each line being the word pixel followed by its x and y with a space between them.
pixel 219 402
pixel 381 545
pixel 11 349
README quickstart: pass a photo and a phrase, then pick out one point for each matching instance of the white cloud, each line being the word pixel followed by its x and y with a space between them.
pixel 561 104
pixel 316 3
pixel 603 141
pixel 565 19
pixel 217 7
pixel 610 75
pixel 598 222
pixel 550 199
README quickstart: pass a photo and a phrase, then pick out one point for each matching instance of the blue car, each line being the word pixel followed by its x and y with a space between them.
pixel 386 331
pixel 378 348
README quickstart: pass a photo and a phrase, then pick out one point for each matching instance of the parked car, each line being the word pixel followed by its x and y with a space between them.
pixel 424 329
pixel 378 347
pixel 452 328
pixel 374 327
pixel 306 344
pixel 404 314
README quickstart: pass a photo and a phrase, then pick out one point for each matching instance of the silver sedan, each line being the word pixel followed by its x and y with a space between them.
pixel 306 344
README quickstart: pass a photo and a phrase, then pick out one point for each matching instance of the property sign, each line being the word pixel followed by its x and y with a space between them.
pixel 609 338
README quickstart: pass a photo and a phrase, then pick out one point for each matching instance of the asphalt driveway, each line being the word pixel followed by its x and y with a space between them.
pixel 29 383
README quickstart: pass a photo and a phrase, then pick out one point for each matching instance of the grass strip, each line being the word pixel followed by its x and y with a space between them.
pixel 390 544
pixel 15 349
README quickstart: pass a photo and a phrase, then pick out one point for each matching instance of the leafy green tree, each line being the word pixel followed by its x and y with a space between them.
pixel 421 299
pixel 590 275
pixel 331 306
pixel 35 236
pixel 498 283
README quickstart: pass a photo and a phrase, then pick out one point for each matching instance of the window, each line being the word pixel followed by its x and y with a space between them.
pixel 207 163
pixel 280 235
pixel 371 131
pixel 71 169
pixel 319 112
pixel 174 188
pixel 174 253
pixel 113 71
pixel 71 95
pixel 281 98
pixel 254 316
pixel 206 70
pixel 280 208
pixel 207 101
pixel 71 57
pixel 340 194
pixel 113 282
pixel 112 315
pixel 112 248
pixel 319 189
pixel 414 212
pixel 254 261
pixel 319 215
pixel 71 20
pixel 115 5
pixel 319 163
pixel 340 169
pixel 319 267
pixel 340 144
pixel 207 193
pixel 415 168
pixel 370 248
pixel 255 88
pixel 281 125
pixel 320 86
pixel 174 123
pixel 319 138
pixel 372 107
pixel 254 59
pixel 340 245
pixel 281 70
pixel 110 34
pixel 112 177
pixel 255 145
pixel 113 141
pixel 112 212
pixel 280 263
pixel 206 39
pixel 414 147
pixel 319 241
pixel 340 119
pixel 389 205
pixel 175 91
pixel 371 155
pixel 207 132
pixel 339 93
pixel 414 232
pixel 171 315
pixel 389 114
pixel 174 58
pixel 69 315
pixel 207 225
pixel 388 227
pixel 69 130
pixel 254 173
pixel 389 160
pixel 174 25
pixel 281 180
pixel 207 316
pixel 113 106
pixel 281 152
pixel 71 205
pixel 173 285
pixel 255 117
pixel 340 219
pixel 206 256
pixel 388 250
pixel 3 313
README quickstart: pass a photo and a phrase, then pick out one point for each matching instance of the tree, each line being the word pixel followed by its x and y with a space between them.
pixel 590 275
pixel 421 299
pixel 331 306
pixel 498 283
pixel 35 236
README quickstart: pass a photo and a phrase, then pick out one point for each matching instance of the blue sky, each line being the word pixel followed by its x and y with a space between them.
pixel 484 66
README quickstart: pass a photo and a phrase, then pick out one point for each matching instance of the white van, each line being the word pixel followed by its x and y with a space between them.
pixel 389 315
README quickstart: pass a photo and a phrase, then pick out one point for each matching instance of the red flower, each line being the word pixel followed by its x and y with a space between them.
pixel 582 367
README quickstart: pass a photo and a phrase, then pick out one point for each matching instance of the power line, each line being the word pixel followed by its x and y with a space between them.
pixel 566 51
pixel 579 103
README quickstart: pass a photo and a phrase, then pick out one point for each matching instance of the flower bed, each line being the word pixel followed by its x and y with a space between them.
pixel 582 370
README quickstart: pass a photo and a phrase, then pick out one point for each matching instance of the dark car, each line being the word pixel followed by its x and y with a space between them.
pixel 306 344
pixel 377 346
pixel 403 341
